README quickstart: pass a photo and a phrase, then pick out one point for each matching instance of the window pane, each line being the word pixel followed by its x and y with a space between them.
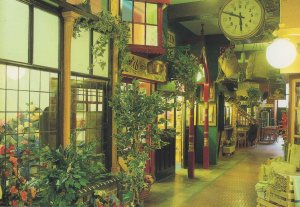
pixel 45 81
pixel 104 5
pixel 2 100
pixel 98 70
pixel 12 100
pixel 46 39
pixel 35 77
pixel 151 38
pixel 139 34
pixel 23 100
pixel 80 53
pixel 12 73
pixel 2 76
pixel 151 13
pixel 24 80
pixel 127 10
pixel 44 100
pixel 35 98
pixel 14 17
pixel 139 12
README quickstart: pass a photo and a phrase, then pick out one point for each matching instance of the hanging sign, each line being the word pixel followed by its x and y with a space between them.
pixel 144 68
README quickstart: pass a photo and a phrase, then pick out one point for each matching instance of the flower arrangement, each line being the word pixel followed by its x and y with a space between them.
pixel 15 189
pixel 18 137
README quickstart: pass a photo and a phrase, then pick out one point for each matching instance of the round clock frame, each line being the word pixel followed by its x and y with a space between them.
pixel 241 19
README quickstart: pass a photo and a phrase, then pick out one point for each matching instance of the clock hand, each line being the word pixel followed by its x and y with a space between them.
pixel 241 23
pixel 233 14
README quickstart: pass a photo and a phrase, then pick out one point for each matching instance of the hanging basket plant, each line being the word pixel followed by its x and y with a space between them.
pixel 254 95
pixel 111 28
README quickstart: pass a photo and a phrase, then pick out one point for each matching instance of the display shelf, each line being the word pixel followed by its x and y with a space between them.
pixel 294 112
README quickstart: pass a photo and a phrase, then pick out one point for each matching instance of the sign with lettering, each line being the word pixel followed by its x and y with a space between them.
pixel 141 67
pixel 171 41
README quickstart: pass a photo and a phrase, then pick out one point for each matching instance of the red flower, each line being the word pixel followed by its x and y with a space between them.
pixel 13 190
pixel 2 150
pixel 10 150
pixel 6 173
pixel 15 170
pixel 23 195
pixel 13 160
pixel 14 203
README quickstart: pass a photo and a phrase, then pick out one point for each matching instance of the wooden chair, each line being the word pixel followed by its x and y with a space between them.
pixel 241 138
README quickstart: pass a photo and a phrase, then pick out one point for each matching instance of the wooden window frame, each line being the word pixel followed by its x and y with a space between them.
pixel 155 50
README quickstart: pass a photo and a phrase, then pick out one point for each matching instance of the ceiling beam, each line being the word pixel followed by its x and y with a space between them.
pixel 196 11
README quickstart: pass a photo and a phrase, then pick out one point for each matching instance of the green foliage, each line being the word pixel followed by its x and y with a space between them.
pixel 185 66
pixel 135 115
pixel 65 171
pixel 110 27
pixel 254 95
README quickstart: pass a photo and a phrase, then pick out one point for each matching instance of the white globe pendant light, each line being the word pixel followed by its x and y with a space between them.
pixel 281 53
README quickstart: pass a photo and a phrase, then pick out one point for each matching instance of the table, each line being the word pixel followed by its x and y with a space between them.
pixel 241 137
pixel 269 134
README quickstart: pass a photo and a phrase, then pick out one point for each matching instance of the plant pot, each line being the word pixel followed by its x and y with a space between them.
pixel 145 193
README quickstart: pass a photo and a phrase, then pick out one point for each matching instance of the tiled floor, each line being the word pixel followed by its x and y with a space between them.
pixel 228 184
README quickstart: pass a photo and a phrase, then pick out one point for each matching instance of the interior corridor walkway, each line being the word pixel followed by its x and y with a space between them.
pixel 231 183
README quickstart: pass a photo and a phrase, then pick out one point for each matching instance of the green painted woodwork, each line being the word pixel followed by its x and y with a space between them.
pixel 213 144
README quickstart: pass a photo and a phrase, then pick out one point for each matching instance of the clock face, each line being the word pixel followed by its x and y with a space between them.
pixel 241 19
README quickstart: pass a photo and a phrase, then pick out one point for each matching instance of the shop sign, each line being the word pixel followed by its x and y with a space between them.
pixel 171 41
pixel 267 105
pixel 144 68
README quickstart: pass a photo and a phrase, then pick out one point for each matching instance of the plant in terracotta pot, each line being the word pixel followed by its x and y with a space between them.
pixel 135 115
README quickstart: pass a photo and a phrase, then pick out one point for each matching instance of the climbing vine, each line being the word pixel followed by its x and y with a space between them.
pixel 111 28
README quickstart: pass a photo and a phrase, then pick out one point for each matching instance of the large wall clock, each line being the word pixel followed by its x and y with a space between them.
pixel 241 19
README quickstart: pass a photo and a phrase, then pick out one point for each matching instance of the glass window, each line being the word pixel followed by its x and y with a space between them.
pixel 139 12
pixel 27 114
pixel 127 10
pixel 80 53
pixel 46 39
pixel 151 35
pixel 139 34
pixel 151 14
pixel 87 110
pixel 145 22
pixel 14 30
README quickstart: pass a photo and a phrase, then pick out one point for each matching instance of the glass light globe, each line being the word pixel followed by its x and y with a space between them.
pixel 15 73
pixel 281 53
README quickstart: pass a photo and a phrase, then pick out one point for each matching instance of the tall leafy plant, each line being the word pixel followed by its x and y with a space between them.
pixel 135 115
pixel 185 68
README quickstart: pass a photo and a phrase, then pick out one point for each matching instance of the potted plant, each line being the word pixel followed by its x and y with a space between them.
pixel 64 171
pixel 135 115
